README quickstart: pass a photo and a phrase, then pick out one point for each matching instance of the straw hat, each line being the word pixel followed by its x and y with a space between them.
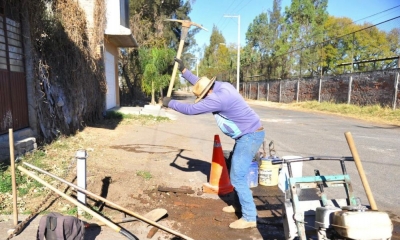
pixel 201 87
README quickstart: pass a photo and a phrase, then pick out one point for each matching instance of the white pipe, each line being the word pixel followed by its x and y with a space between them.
pixel 81 156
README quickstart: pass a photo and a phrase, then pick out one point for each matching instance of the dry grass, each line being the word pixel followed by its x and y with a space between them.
pixel 59 159
pixel 375 113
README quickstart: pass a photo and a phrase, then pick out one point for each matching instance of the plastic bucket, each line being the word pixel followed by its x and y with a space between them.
pixel 268 174
pixel 252 175
pixel 297 171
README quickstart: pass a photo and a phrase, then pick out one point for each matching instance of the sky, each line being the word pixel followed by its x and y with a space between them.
pixel 210 12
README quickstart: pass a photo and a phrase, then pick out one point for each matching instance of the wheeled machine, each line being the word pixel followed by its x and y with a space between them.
pixel 321 217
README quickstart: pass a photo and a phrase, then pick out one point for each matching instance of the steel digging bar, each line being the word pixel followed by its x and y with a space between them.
pixel 109 202
pixel 80 205
pixel 186 24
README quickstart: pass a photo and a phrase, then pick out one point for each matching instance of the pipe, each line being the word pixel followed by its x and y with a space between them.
pixel 74 201
pixel 13 181
pixel 81 156
pixel 360 169
pixel 109 202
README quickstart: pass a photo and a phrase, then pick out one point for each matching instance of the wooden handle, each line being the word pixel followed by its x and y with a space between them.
pixel 80 205
pixel 13 180
pixel 149 221
pixel 178 55
pixel 360 169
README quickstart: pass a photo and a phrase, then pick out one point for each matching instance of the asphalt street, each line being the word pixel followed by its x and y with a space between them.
pixel 307 134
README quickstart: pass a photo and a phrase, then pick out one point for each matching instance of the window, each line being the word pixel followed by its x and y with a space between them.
pixel 124 13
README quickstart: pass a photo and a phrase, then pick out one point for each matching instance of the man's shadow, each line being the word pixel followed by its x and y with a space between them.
pixel 194 165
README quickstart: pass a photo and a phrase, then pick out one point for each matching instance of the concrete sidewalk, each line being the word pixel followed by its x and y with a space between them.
pixel 154 110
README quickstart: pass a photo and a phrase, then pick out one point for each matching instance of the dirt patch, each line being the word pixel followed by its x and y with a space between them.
pixel 128 161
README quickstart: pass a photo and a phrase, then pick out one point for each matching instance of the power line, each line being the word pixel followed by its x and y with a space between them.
pixel 377 13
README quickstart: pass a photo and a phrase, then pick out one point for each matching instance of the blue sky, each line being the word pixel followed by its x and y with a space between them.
pixel 211 12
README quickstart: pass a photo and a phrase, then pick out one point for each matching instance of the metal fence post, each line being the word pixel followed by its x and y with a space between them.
pixel 258 91
pixel 319 90
pixel 396 84
pixel 349 93
pixel 249 94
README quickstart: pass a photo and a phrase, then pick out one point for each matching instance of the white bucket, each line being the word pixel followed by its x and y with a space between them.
pixel 297 171
pixel 268 173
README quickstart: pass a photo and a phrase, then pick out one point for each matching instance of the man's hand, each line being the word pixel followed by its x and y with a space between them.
pixel 181 66
pixel 166 101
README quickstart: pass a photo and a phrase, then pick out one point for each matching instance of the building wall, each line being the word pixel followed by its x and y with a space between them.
pixel 88 6
pixel 114 51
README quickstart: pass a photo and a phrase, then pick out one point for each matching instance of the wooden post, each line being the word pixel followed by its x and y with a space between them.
pixel 297 90
pixel 360 170
pixel 13 181
pixel 280 90
pixel 258 90
pixel 267 91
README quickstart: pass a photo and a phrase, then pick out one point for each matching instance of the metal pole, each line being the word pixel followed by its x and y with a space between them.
pixel 74 201
pixel 238 53
pixel 396 84
pixel 81 156
pixel 149 221
pixel 13 180
pixel 349 93
pixel 197 68
pixel 319 90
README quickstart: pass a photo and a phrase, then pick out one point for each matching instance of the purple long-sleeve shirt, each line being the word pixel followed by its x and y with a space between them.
pixel 234 117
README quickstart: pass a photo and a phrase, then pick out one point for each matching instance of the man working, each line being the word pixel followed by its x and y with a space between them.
pixel 235 119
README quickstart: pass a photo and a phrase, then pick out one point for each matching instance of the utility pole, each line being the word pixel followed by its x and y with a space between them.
pixel 197 66
pixel 238 52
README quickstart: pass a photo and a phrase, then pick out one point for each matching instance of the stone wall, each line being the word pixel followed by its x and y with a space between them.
pixel 367 88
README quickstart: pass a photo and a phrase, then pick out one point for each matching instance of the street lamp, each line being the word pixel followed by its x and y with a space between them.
pixel 238 52
pixel 197 66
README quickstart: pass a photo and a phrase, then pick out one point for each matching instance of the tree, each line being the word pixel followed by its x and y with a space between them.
pixel 151 31
pixel 267 44
pixel 350 42
pixel 155 62
pixel 305 20
pixel 209 61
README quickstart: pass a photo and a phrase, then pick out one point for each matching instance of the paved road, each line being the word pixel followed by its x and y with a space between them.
pixel 305 134
pixel 314 134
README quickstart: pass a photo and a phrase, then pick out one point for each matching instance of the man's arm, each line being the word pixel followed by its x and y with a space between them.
pixel 189 76
pixel 186 74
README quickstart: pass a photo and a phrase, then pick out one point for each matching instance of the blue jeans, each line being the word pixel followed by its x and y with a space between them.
pixel 243 154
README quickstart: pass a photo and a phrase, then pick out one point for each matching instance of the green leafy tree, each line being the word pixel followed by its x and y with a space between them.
pixel 267 45
pixel 350 42
pixel 155 62
pixel 210 62
pixel 151 31
pixel 305 20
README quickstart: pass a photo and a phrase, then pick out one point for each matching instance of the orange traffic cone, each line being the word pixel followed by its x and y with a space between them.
pixel 219 178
